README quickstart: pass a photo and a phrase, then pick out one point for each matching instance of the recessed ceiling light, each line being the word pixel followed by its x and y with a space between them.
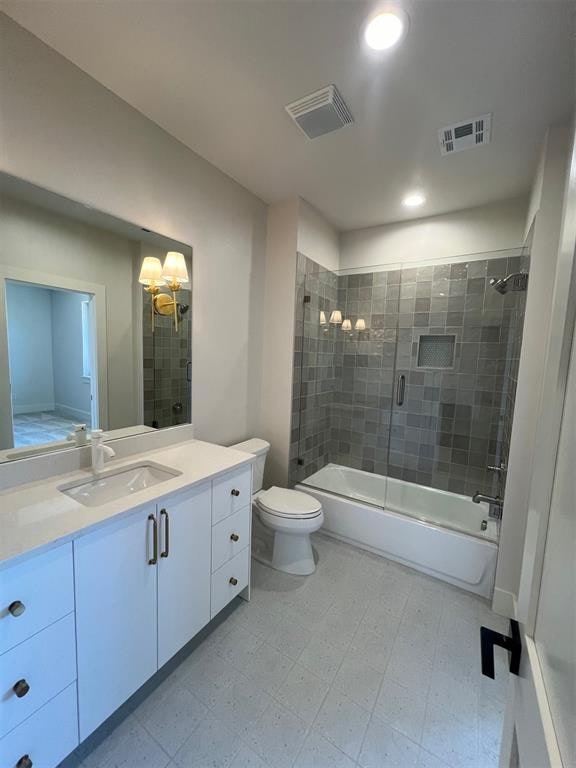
pixel 385 30
pixel 413 200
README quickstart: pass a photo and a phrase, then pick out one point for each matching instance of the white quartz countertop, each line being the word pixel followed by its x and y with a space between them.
pixel 37 516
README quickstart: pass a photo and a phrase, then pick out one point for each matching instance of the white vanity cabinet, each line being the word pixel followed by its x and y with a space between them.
pixel 116 623
pixel 183 569
pixel 142 592
pixel 85 624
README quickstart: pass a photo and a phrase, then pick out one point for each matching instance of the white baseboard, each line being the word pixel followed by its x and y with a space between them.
pixel 504 603
pixel 17 410
pixel 72 413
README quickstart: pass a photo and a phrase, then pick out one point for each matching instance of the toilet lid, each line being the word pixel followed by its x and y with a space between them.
pixel 285 502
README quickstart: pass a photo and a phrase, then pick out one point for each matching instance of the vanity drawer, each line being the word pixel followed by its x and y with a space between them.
pixel 229 537
pixel 230 493
pixel 34 594
pixel 42 666
pixel 223 588
pixel 47 737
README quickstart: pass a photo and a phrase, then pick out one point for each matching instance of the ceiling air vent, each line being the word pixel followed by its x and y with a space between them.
pixel 320 112
pixel 466 135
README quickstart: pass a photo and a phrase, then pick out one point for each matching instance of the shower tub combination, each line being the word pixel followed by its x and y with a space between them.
pixel 440 533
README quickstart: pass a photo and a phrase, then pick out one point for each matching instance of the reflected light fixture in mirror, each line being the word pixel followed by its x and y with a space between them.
pixel 360 324
pixel 175 275
pixel 346 325
pixel 336 317
pixel 151 278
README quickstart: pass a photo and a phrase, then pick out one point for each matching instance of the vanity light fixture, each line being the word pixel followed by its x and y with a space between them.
pixel 151 278
pixel 175 275
pixel 322 318
pixel 336 317
pixel 360 324
pixel 346 325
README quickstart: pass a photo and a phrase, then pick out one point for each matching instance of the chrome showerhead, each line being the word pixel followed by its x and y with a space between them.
pixel 518 281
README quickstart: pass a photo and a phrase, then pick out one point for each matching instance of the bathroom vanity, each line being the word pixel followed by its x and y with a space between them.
pixel 98 593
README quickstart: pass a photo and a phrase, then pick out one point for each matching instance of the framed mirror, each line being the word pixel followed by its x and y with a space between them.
pixel 95 324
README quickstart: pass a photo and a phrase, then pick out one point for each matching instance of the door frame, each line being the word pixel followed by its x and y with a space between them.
pixel 528 715
pixel 48 280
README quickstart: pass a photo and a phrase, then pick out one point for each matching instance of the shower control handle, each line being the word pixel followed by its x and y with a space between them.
pixel 401 388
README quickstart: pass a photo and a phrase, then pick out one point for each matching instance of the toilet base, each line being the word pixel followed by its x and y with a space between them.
pixel 293 554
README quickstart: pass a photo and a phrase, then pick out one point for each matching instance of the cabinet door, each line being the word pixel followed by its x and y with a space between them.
pixel 116 590
pixel 183 569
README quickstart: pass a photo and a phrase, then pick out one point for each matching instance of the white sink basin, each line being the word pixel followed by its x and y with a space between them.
pixel 117 483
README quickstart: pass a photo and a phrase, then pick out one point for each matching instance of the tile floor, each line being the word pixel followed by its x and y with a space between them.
pixel 365 663
pixel 41 427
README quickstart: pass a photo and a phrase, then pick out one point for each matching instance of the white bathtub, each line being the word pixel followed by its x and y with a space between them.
pixel 436 532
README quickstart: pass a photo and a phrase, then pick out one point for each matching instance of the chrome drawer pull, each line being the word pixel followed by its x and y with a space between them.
pixel 233 581
pixel 164 514
pixel 17 608
pixel 24 762
pixel 234 537
pixel 21 688
pixel 235 492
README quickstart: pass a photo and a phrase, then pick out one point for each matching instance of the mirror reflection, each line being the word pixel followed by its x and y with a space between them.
pixel 95 324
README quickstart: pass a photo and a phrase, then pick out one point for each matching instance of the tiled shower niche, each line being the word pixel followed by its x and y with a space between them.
pixel 452 423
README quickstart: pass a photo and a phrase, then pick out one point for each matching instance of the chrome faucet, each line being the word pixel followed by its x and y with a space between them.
pixel 100 451
pixel 495 502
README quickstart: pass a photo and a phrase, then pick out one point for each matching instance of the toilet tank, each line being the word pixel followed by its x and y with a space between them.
pixel 260 449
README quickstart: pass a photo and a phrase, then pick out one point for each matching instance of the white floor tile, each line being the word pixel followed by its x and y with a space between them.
pixel 289 636
pixel 278 736
pixel 170 714
pixel 376 648
pixel 427 760
pixel 323 658
pixel 402 708
pixel 385 747
pixel 268 667
pixel 342 722
pixel 207 677
pixel 247 758
pixel 317 752
pixel 128 746
pixel 302 692
pixel 452 739
pixel 358 679
pixel 211 745
pixel 241 704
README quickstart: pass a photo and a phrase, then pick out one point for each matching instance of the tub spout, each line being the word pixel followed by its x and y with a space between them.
pixel 495 502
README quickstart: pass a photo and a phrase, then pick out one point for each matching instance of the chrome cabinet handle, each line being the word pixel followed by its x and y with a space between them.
pixel 24 762
pixel 234 537
pixel 401 389
pixel 21 688
pixel 235 492
pixel 16 608
pixel 189 371
pixel 154 559
pixel 233 581
pixel 164 514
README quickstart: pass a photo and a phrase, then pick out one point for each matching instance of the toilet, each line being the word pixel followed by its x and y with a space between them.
pixel 291 515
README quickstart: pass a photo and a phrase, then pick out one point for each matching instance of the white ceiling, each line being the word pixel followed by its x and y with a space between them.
pixel 216 75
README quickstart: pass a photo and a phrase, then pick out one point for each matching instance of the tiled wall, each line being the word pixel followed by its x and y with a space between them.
pixel 167 392
pixel 451 425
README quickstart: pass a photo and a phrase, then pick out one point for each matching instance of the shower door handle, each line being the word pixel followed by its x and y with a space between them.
pixel 189 371
pixel 400 389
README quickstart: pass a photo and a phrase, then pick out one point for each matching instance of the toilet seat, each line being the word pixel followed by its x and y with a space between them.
pixel 283 502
